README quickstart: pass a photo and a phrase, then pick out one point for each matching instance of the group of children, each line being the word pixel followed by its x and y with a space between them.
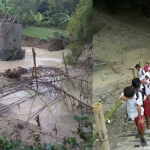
pixel 137 97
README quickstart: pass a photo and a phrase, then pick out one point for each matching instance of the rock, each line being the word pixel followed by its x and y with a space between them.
pixel 106 73
pixel 103 98
pixel 99 100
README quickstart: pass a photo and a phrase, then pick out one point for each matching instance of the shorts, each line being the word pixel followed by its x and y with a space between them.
pixel 146 108
pixel 140 125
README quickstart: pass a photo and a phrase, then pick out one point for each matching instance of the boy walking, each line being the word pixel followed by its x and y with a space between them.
pixel 135 110
pixel 138 86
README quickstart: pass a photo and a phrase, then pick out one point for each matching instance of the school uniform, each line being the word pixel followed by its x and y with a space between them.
pixel 131 105
pixel 132 108
pixel 146 102
pixel 141 72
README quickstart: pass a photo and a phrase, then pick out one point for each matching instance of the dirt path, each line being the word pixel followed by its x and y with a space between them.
pixel 121 36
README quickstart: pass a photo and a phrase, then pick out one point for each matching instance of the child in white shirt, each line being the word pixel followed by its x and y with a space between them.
pixel 135 110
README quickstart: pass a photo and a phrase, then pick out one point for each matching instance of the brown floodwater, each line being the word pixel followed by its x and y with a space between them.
pixel 43 58
pixel 55 114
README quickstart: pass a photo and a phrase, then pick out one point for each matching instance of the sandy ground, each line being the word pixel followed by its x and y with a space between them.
pixel 122 42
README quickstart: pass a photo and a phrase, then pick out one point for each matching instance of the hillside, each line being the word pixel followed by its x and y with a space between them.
pixel 122 42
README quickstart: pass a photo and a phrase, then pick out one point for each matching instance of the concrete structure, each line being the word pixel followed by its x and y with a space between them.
pixel 10 41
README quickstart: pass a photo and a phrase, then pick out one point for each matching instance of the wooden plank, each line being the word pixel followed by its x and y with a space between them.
pixel 122 134
pixel 131 141
pixel 126 147
pixel 134 148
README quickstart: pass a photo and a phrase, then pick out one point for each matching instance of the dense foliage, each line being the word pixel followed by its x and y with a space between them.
pixel 80 29
pixel 42 13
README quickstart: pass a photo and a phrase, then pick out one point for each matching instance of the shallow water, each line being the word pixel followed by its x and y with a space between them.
pixel 43 58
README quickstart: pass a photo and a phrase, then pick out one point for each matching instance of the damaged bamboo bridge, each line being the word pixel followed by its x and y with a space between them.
pixel 45 85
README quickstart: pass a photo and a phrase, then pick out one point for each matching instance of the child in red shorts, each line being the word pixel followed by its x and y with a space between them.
pixel 136 83
pixel 135 110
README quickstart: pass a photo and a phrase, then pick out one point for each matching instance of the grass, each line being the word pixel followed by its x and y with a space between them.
pixel 40 32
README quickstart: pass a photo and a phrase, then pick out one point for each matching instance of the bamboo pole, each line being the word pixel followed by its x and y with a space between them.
pixel 35 71
pixel 112 111
pixel 65 63
pixel 100 123
pixel 133 72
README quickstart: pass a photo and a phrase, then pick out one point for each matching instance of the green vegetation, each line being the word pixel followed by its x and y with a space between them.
pixel 80 30
pixel 84 132
pixel 41 32
pixel 41 13
pixel 73 15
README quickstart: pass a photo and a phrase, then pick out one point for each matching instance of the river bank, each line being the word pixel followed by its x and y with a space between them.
pixel 122 42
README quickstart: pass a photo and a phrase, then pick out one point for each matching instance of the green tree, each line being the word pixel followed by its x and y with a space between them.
pixel 6 9
pixel 80 29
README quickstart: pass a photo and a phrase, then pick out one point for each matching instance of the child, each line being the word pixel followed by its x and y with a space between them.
pixel 149 69
pixel 140 70
pixel 146 79
pixel 146 67
pixel 136 83
pixel 135 110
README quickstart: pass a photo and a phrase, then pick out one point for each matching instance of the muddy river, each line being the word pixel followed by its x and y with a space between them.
pixel 43 57
pixel 55 114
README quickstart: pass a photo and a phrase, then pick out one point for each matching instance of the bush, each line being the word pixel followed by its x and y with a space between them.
pixel 62 37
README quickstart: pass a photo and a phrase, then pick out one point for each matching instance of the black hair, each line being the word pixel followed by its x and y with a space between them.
pixel 137 66
pixel 147 63
pixel 136 83
pixel 129 91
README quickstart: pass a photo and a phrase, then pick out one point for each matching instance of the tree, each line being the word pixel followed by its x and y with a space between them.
pixel 6 9
pixel 80 29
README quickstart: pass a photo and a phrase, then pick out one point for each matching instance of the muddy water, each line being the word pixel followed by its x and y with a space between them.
pixel 57 114
pixel 43 57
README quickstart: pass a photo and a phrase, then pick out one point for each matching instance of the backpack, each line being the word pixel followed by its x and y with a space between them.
pixel 143 90
pixel 142 71
pixel 137 96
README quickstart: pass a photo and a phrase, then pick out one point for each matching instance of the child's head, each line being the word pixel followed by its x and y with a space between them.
pixel 129 92
pixel 137 66
pixel 136 83
pixel 146 64
pixel 147 75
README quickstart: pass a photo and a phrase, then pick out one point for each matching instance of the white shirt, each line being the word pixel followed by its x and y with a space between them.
pixel 148 84
pixel 141 72
pixel 132 106
pixel 142 78
pixel 147 90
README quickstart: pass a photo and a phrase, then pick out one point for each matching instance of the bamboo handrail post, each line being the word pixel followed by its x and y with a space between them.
pixel 65 63
pixel 34 61
pixel 133 72
pixel 100 123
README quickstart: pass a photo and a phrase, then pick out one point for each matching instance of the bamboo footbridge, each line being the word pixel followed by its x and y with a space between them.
pixel 131 142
